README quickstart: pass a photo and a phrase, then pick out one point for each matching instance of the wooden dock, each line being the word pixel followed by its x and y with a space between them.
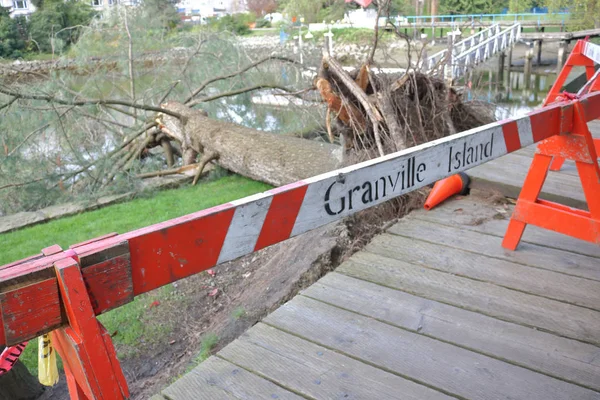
pixel 507 174
pixel 434 308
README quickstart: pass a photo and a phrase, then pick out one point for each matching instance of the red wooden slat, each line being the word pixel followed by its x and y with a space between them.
pixel 109 283
pixel 162 256
pixel 546 122
pixel 511 136
pixel 30 310
pixel 281 216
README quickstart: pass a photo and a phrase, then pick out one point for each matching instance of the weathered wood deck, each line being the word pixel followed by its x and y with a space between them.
pixel 434 308
pixel 508 173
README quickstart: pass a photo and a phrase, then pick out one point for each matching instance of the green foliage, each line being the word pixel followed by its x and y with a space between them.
pixel 315 10
pixel 468 6
pixel 238 24
pixel 58 24
pixel 209 342
pixel 263 23
pixel 238 313
pixel 401 7
pixel 586 13
pixel 520 6
pixel 11 42
pixel 164 12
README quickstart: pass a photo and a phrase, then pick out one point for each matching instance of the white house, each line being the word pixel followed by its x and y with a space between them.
pixel 18 7
pixel 204 8
pixel 211 8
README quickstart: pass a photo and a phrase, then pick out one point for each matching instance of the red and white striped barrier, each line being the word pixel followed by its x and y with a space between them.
pixel 591 51
pixel 178 248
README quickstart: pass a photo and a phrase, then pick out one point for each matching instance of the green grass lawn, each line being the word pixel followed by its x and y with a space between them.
pixel 130 321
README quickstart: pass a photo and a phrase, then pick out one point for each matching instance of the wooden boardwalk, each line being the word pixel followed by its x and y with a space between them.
pixel 434 308
pixel 508 173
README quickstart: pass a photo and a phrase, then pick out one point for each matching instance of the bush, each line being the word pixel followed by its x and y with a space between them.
pixel 263 23
pixel 47 25
pixel 11 42
pixel 237 23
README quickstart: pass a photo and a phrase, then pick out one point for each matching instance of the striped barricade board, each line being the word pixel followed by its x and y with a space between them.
pixel 118 267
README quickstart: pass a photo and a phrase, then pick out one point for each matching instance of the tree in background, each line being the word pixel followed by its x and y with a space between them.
pixel 316 10
pixel 11 42
pixel 56 23
pixel 467 6
pixel 164 11
pixel 262 7
pixel 586 12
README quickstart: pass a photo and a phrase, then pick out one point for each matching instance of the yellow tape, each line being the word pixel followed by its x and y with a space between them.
pixel 47 369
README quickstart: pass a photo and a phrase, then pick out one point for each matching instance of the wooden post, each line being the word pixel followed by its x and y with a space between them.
pixel 562 52
pixel 537 48
pixel 527 71
pixel 501 58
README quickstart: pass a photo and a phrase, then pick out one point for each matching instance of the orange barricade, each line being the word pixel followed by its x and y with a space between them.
pixel 578 146
pixel 577 58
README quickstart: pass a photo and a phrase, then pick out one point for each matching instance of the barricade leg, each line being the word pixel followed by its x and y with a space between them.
pixel 93 371
pixel 531 190
pixel 581 224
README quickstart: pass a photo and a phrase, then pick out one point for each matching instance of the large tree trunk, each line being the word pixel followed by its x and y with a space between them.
pixel 19 384
pixel 272 158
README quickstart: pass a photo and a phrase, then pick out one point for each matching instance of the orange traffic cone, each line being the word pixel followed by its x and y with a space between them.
pixel 455 184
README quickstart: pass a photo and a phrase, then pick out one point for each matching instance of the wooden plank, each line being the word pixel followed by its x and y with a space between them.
pixel 527 253
pixel 559 357
pixel 217 379
pixel 508 173
pixel 540 282
pixel 29 311
pixel 517 161
pixel 109 283
pixel 550 315
pixel 478 215
pixel 508 179
pixel 440 365
pixel 317 372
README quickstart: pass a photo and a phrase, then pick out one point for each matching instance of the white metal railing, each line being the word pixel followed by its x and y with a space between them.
pixel 461 46
pixel 472 51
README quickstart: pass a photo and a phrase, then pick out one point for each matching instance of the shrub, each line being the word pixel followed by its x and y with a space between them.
pixel 11 42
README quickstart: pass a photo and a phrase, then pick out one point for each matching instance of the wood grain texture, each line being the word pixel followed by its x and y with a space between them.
pixel 508 178
pixel 317 372
pixel 559 357
pixel 440 365
pixel 109 283
pixel 550 284
pixel 30 310
pixel 472 213
pixel 528 254
pixel 550 315
pixel 217 379
pixel 508 173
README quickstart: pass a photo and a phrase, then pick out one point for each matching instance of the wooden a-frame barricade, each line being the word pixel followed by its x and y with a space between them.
pixel 577 145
